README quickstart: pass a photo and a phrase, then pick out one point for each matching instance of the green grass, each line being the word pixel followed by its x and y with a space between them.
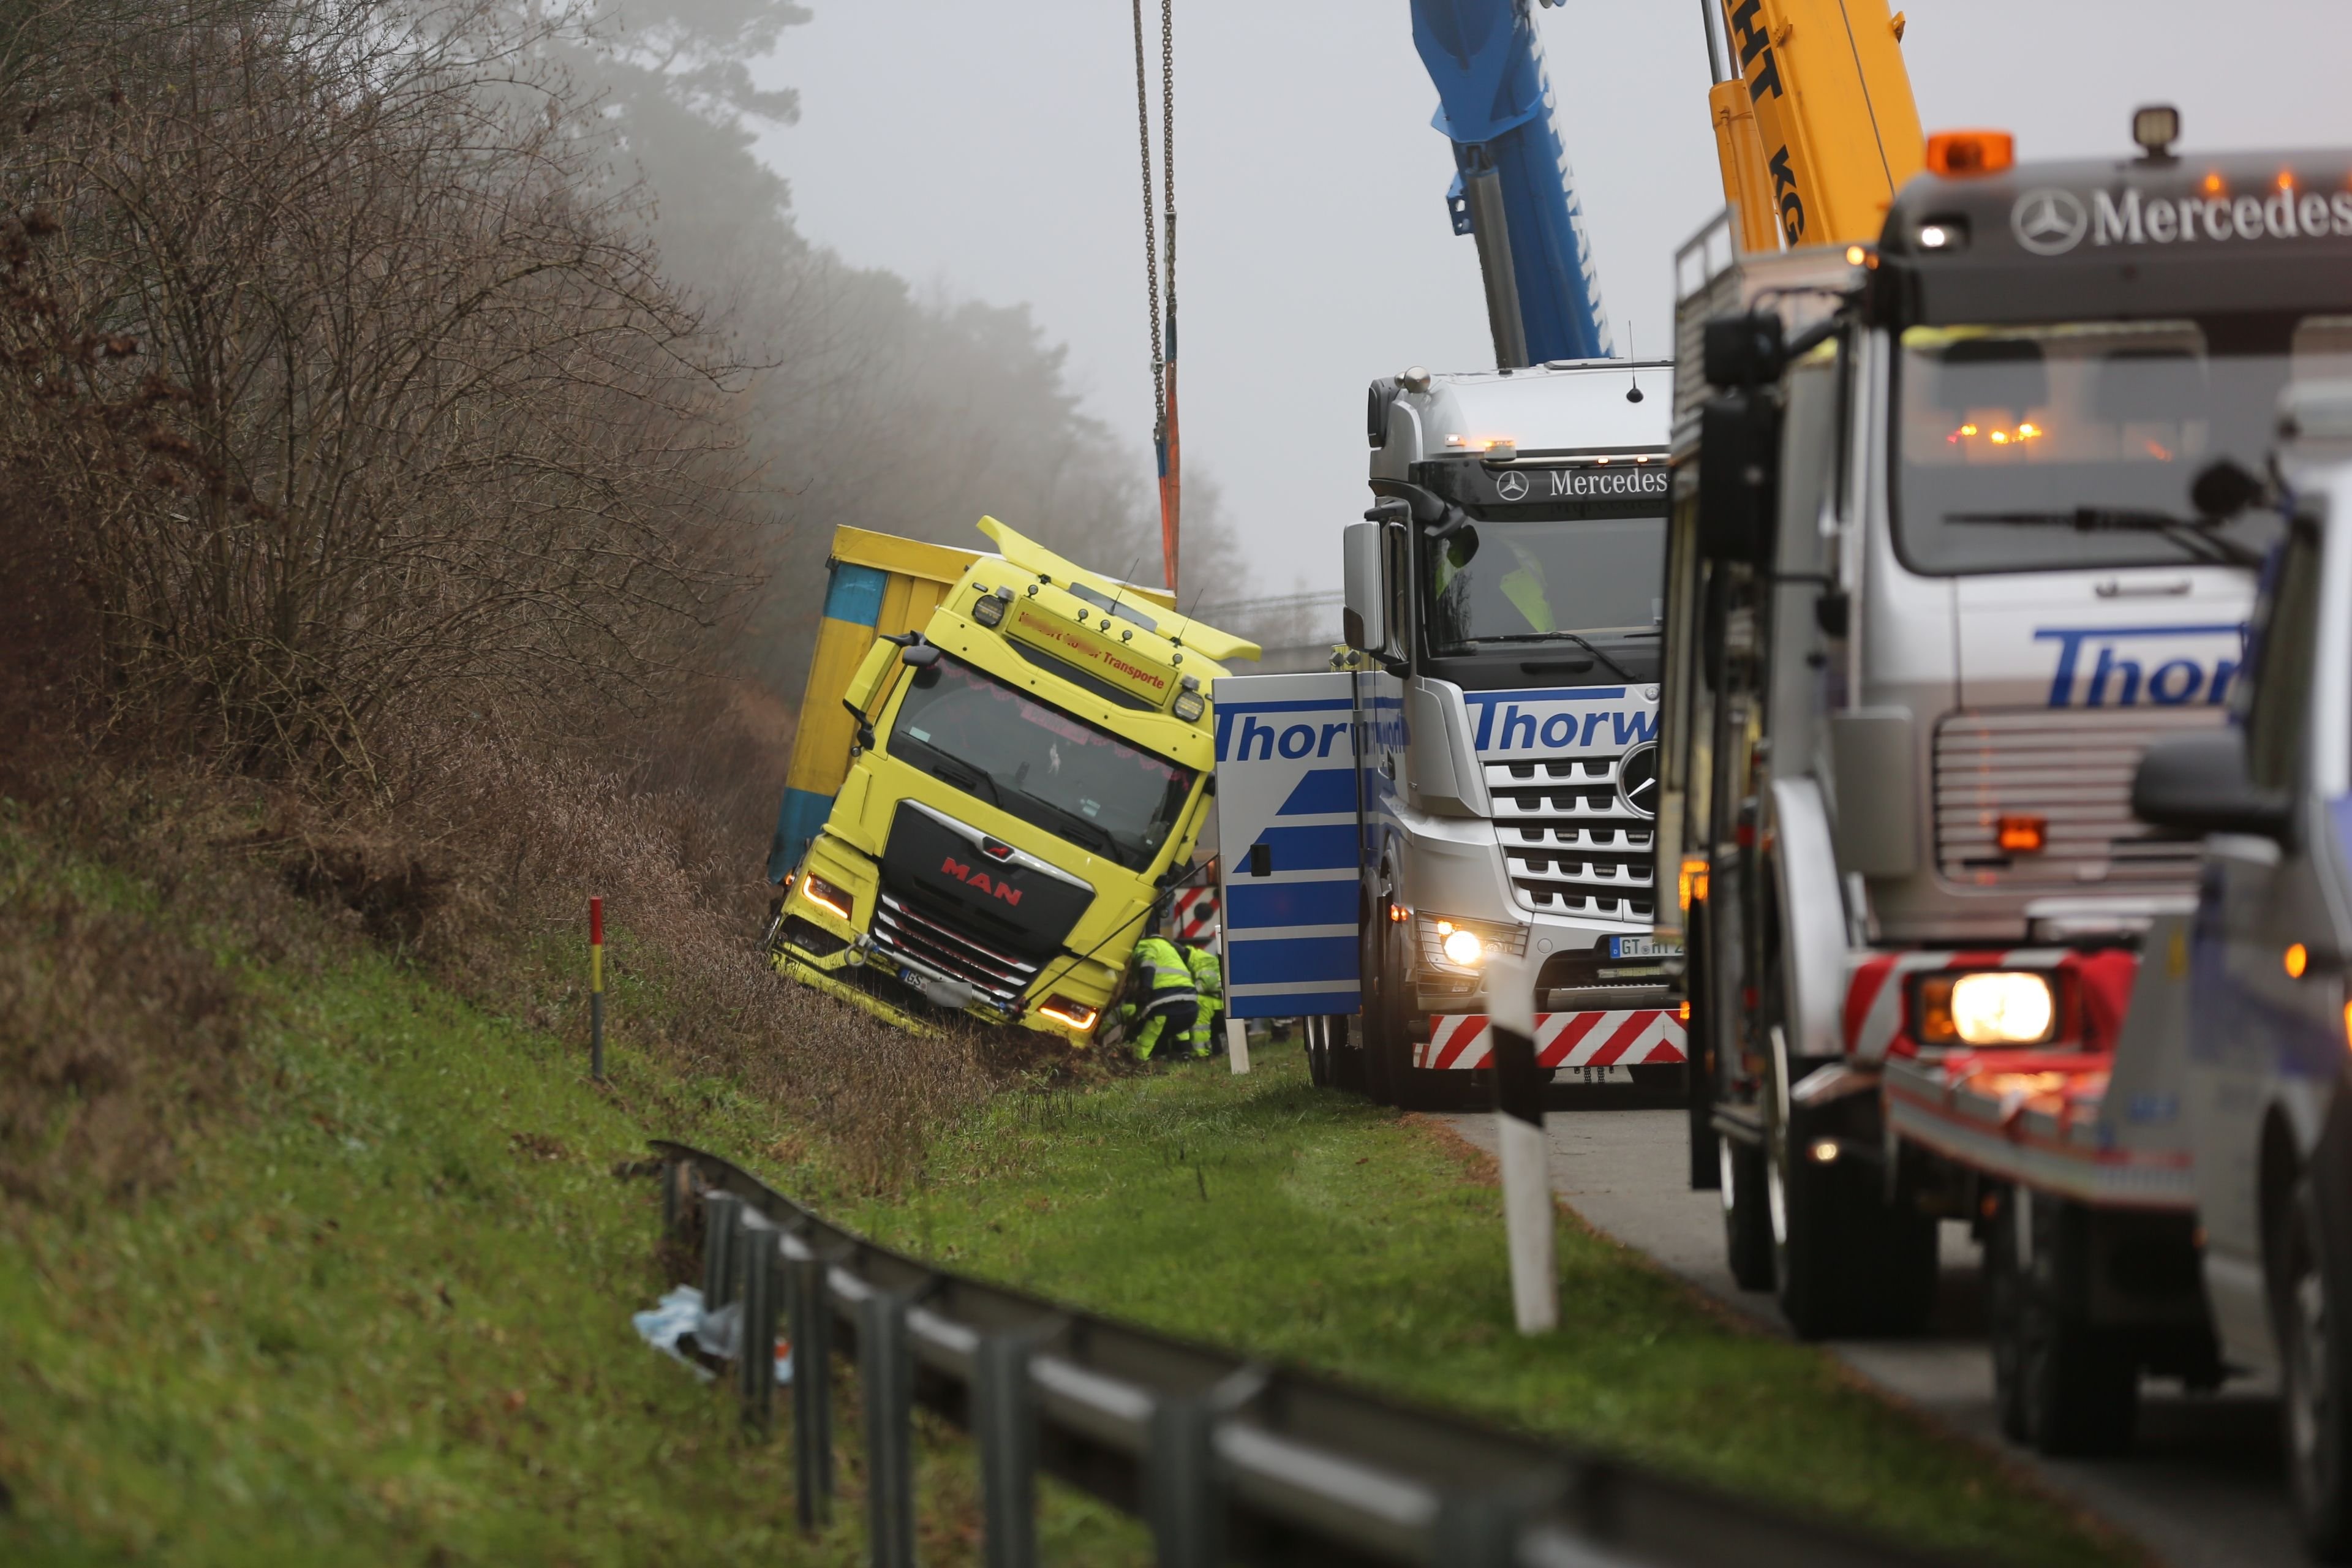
pixel 1260 1214
pixel 381 1315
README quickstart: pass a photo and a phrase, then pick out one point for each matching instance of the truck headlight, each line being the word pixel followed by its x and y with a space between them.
pixel 1062 1010
pixel 990 610
pixel 1461 946
pixel 1188 706
pixel 1991 1008
pixel 825 896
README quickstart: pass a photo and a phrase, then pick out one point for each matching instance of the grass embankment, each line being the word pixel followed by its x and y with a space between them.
pixel 377 1310
pixel 1259 1213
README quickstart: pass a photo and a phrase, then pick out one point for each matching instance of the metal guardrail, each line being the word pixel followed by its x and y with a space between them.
pixel 1225 1458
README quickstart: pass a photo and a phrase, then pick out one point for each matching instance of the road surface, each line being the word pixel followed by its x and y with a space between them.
pixel 2203 1488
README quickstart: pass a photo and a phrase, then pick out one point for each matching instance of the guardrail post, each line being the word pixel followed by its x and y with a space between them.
pixel 721 1212
pixel 1004 1420
pixel 755 1368
pixel 1183 1503
pixel 811 1332
pixel 885 1365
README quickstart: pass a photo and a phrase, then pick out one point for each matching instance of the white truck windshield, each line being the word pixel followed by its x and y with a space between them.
pixel 974 732
pixel 2074 446
pixel 1593 583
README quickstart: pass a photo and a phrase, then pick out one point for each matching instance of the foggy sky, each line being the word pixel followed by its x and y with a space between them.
pixel 988 150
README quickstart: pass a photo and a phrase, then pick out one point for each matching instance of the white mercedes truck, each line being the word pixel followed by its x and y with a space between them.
pixel 1483 779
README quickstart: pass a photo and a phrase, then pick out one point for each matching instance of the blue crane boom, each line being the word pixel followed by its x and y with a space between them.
pixel 1514 184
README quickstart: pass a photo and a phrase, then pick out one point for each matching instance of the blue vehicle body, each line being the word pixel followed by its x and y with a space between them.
pixel 1497 106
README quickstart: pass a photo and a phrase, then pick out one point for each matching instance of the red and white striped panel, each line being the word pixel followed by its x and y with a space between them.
pixel 1642 1036
pixel 1874 1021
pixel 1196 914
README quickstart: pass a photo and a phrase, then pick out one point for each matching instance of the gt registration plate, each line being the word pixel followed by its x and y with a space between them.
pixel 1643 947
pixel 1593 1075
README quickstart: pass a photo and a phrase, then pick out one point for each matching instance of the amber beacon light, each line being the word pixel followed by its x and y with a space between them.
pixel 1958 154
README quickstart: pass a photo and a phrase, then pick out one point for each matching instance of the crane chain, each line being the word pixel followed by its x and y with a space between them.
pixel 1168 149
pixel 1151 229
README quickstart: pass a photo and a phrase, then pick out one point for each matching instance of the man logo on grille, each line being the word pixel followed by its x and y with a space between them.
pixel 1637 779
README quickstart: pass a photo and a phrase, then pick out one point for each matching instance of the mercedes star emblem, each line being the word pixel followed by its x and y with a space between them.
pixel 2048 222
pixel 1512 486
pixel 1637 779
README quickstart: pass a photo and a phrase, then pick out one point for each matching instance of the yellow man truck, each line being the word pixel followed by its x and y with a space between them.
pixel 1003 764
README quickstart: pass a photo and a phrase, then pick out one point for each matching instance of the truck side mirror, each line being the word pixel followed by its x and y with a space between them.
pixel 1744 351
pixel 1739 488
pixel 2199 784
pixel 1364 621
pixel 921 655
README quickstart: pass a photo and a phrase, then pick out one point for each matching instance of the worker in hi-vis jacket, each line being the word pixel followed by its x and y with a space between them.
pixel 1208 985
pixel 1159 991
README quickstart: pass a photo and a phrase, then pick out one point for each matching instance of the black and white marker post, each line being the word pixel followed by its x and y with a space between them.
pixel 1528 1217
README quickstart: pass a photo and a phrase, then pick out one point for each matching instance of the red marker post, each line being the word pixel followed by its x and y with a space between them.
pixel 596 989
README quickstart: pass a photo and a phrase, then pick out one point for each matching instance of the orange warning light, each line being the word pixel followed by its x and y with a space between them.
pixel 1958 155
pixel 2023 835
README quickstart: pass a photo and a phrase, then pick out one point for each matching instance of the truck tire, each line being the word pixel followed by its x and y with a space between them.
pixel 2308 1304
pixel 2064 1387
pixel 1747 1214
pixel 1846 1264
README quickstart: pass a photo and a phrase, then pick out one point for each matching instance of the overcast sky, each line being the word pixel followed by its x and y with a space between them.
pixel 988 150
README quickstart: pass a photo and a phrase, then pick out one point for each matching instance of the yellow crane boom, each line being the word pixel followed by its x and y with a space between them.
pixel 1815 125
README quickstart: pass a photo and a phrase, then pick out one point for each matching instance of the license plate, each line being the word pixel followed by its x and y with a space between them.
pixel 909 977
pixel 1643 947
pixel 1593 1075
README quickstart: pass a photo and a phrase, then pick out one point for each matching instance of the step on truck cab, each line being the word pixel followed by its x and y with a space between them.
pixel 1961 525
pixel 1002 765
pixel 1495 790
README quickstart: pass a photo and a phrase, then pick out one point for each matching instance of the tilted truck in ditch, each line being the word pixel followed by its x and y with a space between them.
pixel 1962 525
pixel 1002 765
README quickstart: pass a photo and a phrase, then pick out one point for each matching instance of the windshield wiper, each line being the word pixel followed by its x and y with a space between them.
pixel 965 777
pixel 1584 643
pixel 2194 537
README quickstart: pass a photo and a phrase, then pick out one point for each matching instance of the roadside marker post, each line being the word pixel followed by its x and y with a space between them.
pixel 1237 1045
pixel 1527 1219
pixel 596 989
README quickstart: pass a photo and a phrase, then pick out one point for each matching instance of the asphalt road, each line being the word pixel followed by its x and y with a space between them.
pixel 2203 1488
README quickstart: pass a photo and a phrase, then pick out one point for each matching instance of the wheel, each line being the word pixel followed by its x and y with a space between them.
pixel 1318 1032
pixel 1845 1261
pixel 1746 1222
pixel 1387 1054
pixel 2063 1385
pixel 2307 1305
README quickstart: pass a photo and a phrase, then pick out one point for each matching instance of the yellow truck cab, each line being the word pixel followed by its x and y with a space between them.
pixel 984 805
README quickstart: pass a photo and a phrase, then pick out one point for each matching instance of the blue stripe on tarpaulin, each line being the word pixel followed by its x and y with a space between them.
pixel 803 811
pixel 1323 791
pixel 1295 1004
pixel 856 595
pixel 1310 848
pixel 1251 906
pixel 1293 958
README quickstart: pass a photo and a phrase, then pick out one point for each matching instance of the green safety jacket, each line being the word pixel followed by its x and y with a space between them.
pixel 1169 979
pixel 1208 975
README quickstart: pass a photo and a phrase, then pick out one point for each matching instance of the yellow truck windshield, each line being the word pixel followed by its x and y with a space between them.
pixel 975 733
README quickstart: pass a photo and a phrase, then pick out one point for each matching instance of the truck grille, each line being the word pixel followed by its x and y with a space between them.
pixel 927 939
pixel 2073 768
pixel 1573 846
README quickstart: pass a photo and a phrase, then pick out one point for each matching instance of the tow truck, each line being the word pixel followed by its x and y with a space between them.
pixel 1475 781
pixel 1002 765
pixel 1953 551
